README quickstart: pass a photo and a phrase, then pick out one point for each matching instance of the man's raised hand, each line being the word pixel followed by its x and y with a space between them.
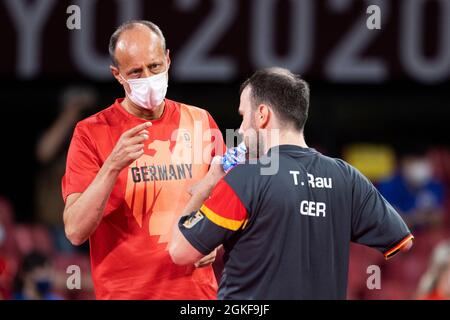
pixel 129 147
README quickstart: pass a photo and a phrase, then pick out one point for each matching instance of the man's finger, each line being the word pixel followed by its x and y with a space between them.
pixel 135 148
pixel 137 139
pixel 136 155
pixel 137 129
pixel 204 263
pixel 142 132
pixel 206 260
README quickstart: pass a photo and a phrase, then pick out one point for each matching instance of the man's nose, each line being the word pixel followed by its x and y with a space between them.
pixel 146 72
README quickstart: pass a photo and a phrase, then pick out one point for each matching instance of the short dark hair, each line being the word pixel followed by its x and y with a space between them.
pixel 130 25
pixel 284 91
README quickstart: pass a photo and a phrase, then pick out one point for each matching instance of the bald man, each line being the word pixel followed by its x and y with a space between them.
pixel 128 171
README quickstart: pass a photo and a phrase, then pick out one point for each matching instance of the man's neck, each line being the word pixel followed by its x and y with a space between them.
pixel 287 137
pixel 139 112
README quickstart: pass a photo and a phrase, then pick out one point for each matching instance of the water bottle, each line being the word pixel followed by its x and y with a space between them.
pixel 233 157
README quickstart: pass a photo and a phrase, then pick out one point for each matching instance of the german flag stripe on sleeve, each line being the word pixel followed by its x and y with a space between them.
pixel 224 208
pixel 221 221
pixel 395 249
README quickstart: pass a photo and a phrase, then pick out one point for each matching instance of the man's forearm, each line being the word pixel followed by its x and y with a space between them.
pixel 197 199
pixel 180 249
pixel 205 186
pixel 185 254
pixel 84 215
pixel 200 194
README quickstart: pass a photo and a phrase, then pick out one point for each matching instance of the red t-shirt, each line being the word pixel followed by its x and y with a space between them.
pixel 129 249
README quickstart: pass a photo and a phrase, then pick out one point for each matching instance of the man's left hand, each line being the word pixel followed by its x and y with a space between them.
pixel 206 260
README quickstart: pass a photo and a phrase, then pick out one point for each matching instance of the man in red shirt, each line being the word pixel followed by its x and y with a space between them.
pixel 128 171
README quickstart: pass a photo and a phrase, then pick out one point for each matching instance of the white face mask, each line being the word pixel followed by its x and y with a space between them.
pixel 148 93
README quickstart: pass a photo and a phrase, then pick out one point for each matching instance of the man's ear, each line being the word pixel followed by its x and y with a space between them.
pixel 115 72
pixel 262 114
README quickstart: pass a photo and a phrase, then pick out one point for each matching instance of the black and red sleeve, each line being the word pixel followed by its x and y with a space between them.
pixel 222 215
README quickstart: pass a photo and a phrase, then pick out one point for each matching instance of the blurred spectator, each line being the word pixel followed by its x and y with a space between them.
pixel 34 280
pixel 7 242
pixel 3 290
pixel 414 191
pixel 51 150
pixel 9 254
pixel 440 157
pixel 435 283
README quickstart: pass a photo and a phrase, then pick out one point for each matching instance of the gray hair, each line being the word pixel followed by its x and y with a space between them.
pixel 130 25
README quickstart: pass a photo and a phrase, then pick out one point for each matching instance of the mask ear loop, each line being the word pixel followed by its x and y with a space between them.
pixel 126 81
pixel 123 78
